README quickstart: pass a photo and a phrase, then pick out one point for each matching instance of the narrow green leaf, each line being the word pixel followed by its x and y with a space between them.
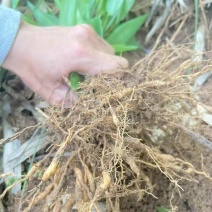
pixel 80 18
pixel 120 48
pixel 86 8
pixel 91 3
pixel 110 23
pixel 68 13
pixel 96 23
pixel 133 42
pixel 101 7
pixel 29 20
pixel 86 12
pixel 126 31
pixel 113 6
pixel 43 19
pixel 15 3
pixel 58 3
pixel 162 209
pixel 75 80
pixel 126 6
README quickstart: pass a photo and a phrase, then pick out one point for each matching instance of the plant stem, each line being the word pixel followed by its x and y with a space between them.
pixel 196 4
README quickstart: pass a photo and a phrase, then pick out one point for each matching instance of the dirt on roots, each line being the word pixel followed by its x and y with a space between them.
pixel 116 134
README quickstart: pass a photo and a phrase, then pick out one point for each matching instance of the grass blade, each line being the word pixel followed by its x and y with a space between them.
pixel 119 48
pixel 113 6
pixel 42 18
pixel 58 3
pixel 86 12
pixel 126 31
pixel 96 23
pixel 162 209
pixel 15 3
pixel 126 6
pixel 68 13
pixel 101 7
pixel 29 20
pixel 86 8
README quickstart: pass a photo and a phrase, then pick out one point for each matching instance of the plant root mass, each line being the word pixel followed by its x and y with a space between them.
pixel 116 134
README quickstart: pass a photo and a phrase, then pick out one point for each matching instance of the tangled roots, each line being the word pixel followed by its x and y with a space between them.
pixel 111 133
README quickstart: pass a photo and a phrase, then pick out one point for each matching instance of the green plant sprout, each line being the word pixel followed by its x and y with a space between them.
pixel 162 209
pixel 14 3
pixel 11 181
pixel 75 80
pixel 105 16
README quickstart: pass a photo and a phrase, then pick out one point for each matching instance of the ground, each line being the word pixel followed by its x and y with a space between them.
pixel 194 196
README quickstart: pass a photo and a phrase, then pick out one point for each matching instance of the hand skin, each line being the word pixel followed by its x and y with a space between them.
pixel 43 56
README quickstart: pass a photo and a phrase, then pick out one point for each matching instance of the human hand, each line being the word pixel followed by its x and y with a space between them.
pixel 43 56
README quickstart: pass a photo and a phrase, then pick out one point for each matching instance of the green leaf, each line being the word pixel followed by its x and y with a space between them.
pixel 80 18
pixel 68 13
pixel 104 16
pixel 15 3
pixel 96 23
pixel 58 3
pixel 126 31
pixel 162 209
pixel 43 19
pixel 112 6
pixel 120 48
pixel 109 23
pixel 86 12
pixel 29 20
pixel 126 6
pixel 101 8
pixel 75 80
pixel 91 3
pixel 86 8
pixel 11 181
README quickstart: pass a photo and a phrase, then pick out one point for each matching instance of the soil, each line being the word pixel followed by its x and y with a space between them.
pixel 195 196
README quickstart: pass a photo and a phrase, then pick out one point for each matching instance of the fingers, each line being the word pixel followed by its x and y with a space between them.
pixel 95 55
pixel 101 45
pixel 61 96
pixel 56 94
pixel 101 63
